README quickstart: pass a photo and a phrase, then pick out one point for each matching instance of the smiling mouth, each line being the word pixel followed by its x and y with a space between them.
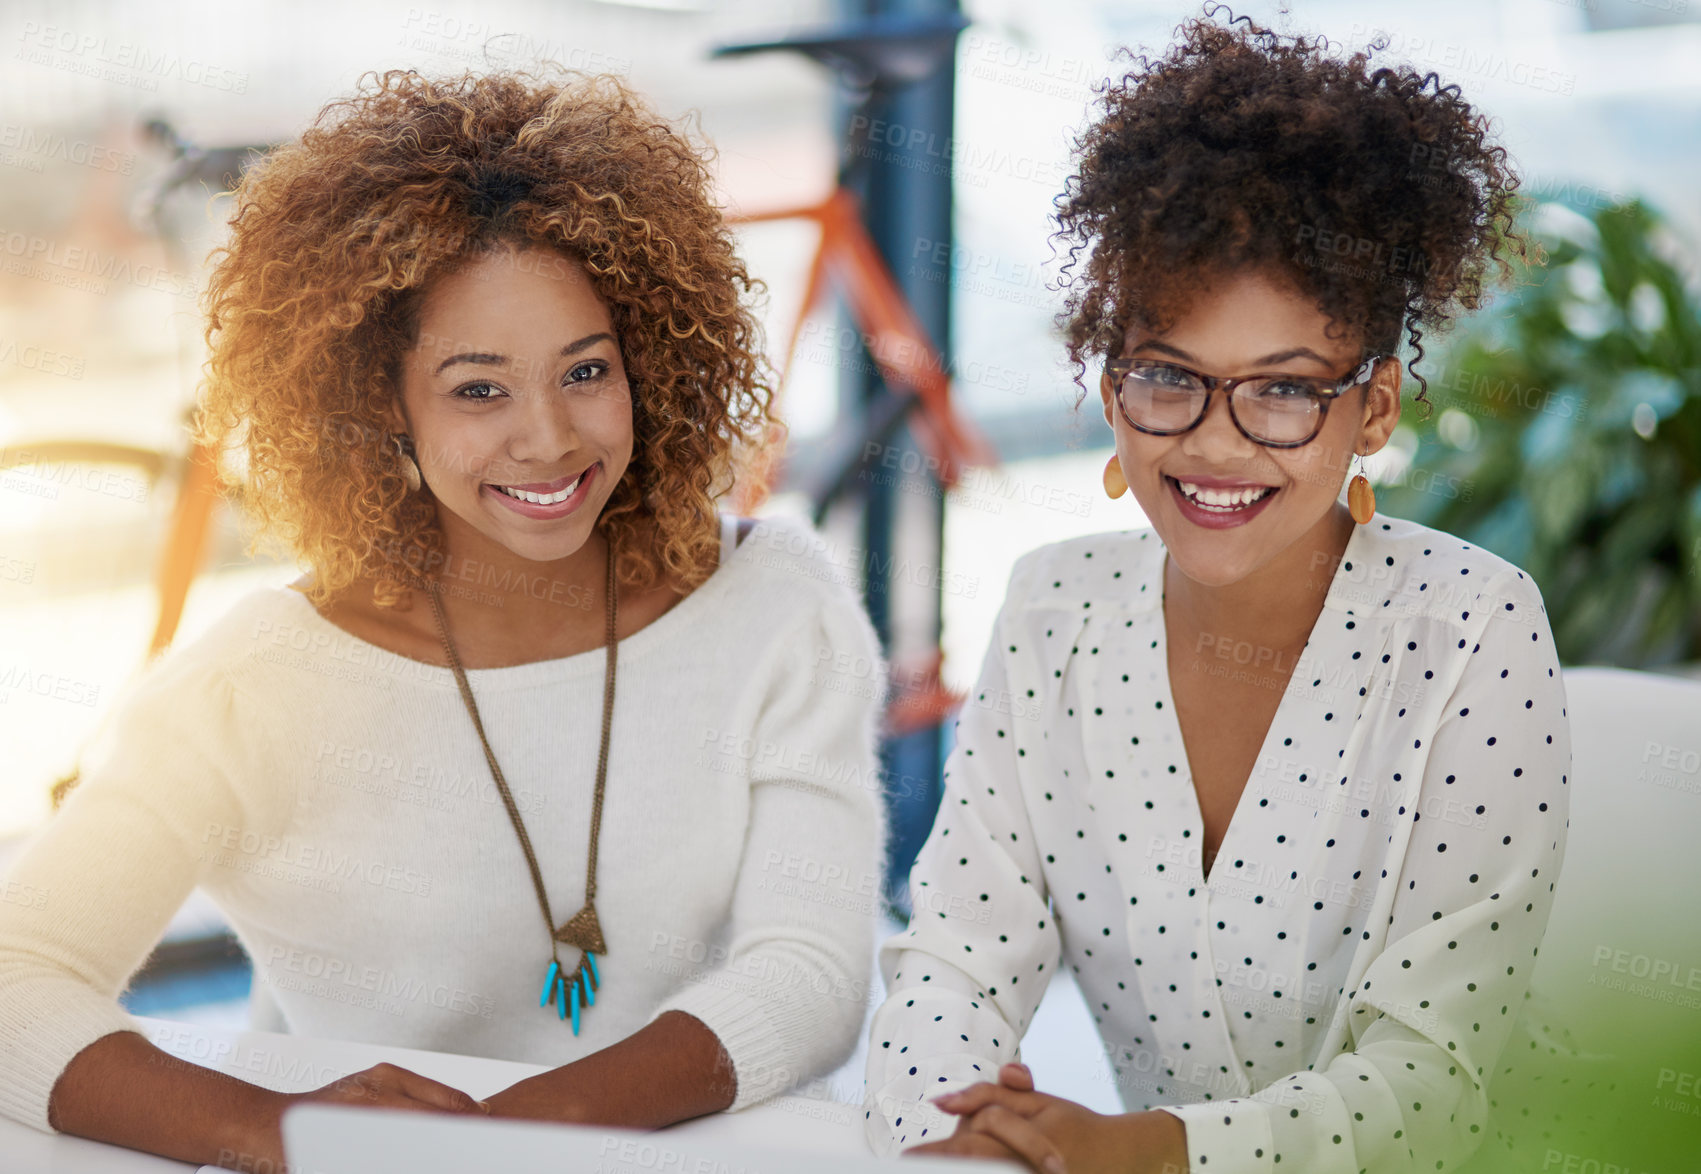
pixel 1222 501
pixel 553 498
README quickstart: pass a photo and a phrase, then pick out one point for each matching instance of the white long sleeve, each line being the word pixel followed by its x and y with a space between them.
pixel 113 866
pixel 961 986
pixel 788 981
pixel 333 800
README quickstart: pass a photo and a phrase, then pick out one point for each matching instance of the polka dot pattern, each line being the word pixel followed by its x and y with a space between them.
pixel 1330 993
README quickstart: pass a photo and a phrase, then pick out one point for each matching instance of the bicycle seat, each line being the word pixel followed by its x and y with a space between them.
pixel 218 167
pixel 880 52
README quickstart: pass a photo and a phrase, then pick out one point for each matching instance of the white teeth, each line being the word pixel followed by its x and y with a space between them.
pixel 555 498
pixel 1227 499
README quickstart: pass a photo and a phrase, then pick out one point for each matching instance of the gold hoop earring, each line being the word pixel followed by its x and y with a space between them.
pixel 1361 498
pixel 1115 483
pixel 410 466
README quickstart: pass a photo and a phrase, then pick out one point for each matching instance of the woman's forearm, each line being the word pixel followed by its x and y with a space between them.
pixel 671 1070
pixel 123 1090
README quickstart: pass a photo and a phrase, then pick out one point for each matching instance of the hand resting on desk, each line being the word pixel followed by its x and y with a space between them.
pixel 213 1118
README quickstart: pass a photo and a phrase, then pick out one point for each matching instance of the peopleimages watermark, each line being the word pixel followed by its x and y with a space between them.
pixel 1479 393
pixel 1443 596
pixel 702 963
pixel 335 653
pixel 1461 58
pixel 28 896
pixel 979 271
pixel 33 682
pixel 450 572
pixel 1142 1068
pixel 1565 1162
pixel 121 61
pixel 624 1154
pixel 1678 1092
pixel 1677 768
pixel 86 269
pixel 373 987
pixel 919 148
pixel 478 42
pixel 842 347
pixel 806 768
pixel 45 477
pixel 1662 980
pixel 789 551
pixel 1677 8
pixel 188 1046
pixel 17 570
pixel 424 784
pixel 302 861
pixel 1026 68
pixel 34 146
pixel 40 359
pixel 795 874
pixel 839 671
pixel 1376 254
pixel 1242 660
pixel 1298 997
pixel 1295 783
pixel 978 487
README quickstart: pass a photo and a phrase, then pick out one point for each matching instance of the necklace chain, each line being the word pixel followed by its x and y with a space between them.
pixel 610 610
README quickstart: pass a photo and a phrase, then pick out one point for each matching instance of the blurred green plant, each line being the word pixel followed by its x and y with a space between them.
pixel 1566 436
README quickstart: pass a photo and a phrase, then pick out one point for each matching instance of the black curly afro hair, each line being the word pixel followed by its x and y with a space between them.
pixel 1376 191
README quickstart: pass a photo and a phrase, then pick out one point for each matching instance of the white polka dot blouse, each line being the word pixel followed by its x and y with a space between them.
pixel 1334 995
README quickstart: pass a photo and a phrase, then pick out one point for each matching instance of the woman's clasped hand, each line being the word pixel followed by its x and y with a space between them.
pixel 1008 1118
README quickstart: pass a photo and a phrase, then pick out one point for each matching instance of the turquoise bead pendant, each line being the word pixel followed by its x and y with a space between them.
pixel 571 992
pixel 548 991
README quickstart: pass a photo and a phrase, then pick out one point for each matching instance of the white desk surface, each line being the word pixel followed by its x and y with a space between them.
pixel 291 1063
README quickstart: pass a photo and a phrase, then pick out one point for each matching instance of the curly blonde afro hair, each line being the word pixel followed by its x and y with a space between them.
pixel 336 237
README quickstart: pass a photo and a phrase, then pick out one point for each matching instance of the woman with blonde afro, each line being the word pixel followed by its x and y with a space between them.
pixel 538 758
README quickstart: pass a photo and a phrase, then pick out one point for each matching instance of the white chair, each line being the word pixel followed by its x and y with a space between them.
pixel 1604 1068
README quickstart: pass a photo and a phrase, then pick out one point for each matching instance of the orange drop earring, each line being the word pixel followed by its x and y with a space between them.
pixel 1115 484
pixel 1361 498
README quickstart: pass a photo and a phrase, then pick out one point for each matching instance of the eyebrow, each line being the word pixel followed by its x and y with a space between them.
pixel 488 359
pixel 1300 352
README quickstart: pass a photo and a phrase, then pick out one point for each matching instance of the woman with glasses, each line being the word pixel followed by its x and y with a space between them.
pixel 1280 780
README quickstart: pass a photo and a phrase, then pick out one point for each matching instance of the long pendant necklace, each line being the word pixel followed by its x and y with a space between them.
pixel 569 991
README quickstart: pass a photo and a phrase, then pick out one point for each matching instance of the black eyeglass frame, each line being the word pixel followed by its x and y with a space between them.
pixel 1119 369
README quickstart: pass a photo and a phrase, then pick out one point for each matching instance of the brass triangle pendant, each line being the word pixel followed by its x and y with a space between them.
pixel 583 931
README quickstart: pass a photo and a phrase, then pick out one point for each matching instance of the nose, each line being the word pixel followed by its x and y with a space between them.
pixel 545 427
pixel 1216 438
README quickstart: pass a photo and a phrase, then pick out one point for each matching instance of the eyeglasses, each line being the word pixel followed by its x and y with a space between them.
pixel 1277 411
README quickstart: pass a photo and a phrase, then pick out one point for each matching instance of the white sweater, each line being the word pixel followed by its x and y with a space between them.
pixel 332 799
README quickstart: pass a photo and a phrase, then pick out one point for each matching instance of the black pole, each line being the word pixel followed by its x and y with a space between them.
pixel 906 192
